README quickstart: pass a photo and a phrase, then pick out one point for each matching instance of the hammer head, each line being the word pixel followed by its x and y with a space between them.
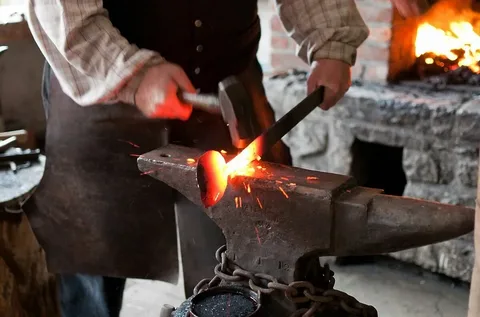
pixel 237 111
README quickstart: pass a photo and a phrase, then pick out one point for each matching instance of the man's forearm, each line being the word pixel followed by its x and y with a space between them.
pixel 324 29
pixel 93 62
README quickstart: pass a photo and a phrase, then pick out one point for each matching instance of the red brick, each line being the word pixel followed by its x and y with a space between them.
pixel 282 42
pixel 380 34
pixel 368 52
pixel 286 61
pixel 371 13
pixel 276 24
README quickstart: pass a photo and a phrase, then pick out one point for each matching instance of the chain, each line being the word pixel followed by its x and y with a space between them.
pixel 298 292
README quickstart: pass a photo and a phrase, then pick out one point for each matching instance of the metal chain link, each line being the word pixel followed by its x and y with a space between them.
pixel 298 292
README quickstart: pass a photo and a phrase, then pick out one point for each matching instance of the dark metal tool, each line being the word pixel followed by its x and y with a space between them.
pixel 20 156
pixel 212 174
pixel 285 124
pixel 233 103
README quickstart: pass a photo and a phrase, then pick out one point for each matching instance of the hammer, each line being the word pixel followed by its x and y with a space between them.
pixel 234 103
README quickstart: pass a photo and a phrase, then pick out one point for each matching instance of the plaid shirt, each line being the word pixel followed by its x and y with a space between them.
pixel 95 64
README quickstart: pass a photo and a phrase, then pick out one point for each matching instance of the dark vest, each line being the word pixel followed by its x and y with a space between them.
pixel 209 39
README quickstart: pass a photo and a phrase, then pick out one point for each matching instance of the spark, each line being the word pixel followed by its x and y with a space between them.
pixel 238 202
pixel 216 197
pixel 150 171
pixel 283 192
pixel 311 178
pixel 135 155
pixel 190 161
pixel 249 190
pixel 129 142
pixel 259 203
pixel 258 236
pixel 292 184
pixel 259 167
pixel 278 182
pixel 223 152
pixel 284 178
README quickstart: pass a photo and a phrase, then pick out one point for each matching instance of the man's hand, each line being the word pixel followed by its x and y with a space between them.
pixel 335 75
pixel 157 96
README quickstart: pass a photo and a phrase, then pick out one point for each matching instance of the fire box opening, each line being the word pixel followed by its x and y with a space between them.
pixel 378 166
pixel 441 47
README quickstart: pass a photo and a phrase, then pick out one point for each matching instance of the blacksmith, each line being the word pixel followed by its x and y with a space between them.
pixel 110 82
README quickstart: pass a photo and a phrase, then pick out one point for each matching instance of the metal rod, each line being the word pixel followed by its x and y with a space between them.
pixel 208 103
pixel 277 131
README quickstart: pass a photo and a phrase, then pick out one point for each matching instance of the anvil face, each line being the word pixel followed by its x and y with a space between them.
pixel 274 215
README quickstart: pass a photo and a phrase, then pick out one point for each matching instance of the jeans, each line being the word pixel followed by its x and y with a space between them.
pixel 90 296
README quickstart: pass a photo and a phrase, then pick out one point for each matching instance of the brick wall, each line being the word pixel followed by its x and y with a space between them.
pixel 373 55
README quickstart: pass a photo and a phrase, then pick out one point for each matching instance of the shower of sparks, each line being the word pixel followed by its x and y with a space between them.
pixel 259 203
pixel 283 192
pixel 129 142
pixel 258 236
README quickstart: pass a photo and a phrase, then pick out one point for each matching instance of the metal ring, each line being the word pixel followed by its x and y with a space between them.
pixel 246 275
pixel 224 276
pixel 218 253
pixel 260 289
pixel 199 287
pixel 278 286
pixel 317 298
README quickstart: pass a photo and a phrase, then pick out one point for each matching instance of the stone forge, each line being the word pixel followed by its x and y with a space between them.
pixel 414 142
pixel 397 128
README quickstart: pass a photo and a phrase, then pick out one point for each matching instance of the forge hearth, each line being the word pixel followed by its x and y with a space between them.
pixel 442 47
pixel 408 140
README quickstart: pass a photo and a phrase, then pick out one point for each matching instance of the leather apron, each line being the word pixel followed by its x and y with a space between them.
pixel 94 213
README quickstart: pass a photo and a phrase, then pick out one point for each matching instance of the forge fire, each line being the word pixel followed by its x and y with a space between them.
pixel 447 51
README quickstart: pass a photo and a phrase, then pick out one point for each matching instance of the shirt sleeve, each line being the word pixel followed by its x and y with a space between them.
pixel 93 62
pixel 324 29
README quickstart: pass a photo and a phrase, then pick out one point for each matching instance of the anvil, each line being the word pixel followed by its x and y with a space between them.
pixel 277 217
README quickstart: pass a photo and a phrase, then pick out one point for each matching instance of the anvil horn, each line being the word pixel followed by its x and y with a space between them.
pixel 289 213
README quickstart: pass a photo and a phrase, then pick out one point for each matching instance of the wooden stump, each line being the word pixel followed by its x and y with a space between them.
pixel 26 287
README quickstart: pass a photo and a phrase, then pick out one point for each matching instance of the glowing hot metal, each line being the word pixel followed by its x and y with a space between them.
pixel 213 172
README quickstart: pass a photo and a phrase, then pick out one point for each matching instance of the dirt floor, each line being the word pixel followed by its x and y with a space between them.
pixel 395 289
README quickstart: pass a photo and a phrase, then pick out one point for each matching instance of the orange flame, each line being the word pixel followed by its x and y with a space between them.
pixel 461 36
